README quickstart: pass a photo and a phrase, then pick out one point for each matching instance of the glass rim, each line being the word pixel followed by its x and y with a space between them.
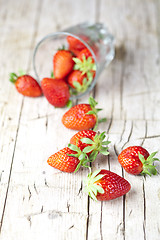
pixel 72 97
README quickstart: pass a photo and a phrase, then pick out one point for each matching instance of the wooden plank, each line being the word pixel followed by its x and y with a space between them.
pixel 118 94
pixel 151 188
pixel 136 66
pixel 12 35
pixel 43 202
pixel 39 193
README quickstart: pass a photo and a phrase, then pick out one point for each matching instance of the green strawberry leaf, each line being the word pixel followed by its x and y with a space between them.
pixel 141 157
pixel 152 170
pixel 63 47
pixel 69 104
pixel 90 184
pixel 78 167
pixel 92 101
pixel 104 150
pixel 90 112
pixel 73 147
pixel 13 77
pixel 77 85
pixel 148 167
pixel 84 81
pixel 82 156
pixel 95 173
pixel 102 120
pixel 100 189
pixel 73 155
pixel 146 172
pixel 98 177
pixel 91 194
pixel 87 141
pixel 93 155
pixel 88 149
pixel 97 145
pixel 52 74
pixel 106 142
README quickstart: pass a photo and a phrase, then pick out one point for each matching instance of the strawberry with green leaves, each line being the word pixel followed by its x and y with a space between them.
pixel 62 63
pixel 91 143
pixel 68 159
pixel 26 85
pixel 137 160
pixel 82 116
pixel 80 82
pixel 56 91
pixel 85 63
pixel 104 185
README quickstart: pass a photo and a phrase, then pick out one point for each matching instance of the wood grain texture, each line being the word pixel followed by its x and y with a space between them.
pixel 37 201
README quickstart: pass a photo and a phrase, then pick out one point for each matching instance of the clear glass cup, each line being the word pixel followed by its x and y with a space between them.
pixel 94 36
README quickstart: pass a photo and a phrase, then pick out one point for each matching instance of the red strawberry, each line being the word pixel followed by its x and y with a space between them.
pixel 62 63
pixel 105 185
pixel 74 51
pixel 26 85
pixel 68 159
pixel 85 63
pixel 77 118
pixel 136 160
pixel 85 53
pixel 91 143
pixel 75 76
pixel 75 43
pixel 82 116
pixel 80 82
pixel 76 139
pixel 56 91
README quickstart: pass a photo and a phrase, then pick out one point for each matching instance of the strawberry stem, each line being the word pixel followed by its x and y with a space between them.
pixel 13 77
pixel 52 74
pixel 95 111
pixel 69 104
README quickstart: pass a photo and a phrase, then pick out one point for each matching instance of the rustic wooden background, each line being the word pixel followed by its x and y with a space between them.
pixel 39 202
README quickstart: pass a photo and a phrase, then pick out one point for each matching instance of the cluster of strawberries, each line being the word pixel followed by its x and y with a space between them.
pixel 84 147
pixel 74 70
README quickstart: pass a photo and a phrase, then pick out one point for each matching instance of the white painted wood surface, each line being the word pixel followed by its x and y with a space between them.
pixel 39 202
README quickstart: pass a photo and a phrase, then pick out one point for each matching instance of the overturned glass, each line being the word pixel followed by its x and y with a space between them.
pixel 94 37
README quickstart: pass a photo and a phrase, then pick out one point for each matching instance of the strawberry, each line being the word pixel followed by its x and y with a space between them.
pixel 85 53
pixel 105 185
pixel 80 82
pixel 56 91
pixel 62 63
pixel 74 51
pixel 75 43
pixel 136 160
pixel 74 77
pixel 68 159
pixel 84 64
pixel 82 116
pixel 90 143
pixel 26 85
